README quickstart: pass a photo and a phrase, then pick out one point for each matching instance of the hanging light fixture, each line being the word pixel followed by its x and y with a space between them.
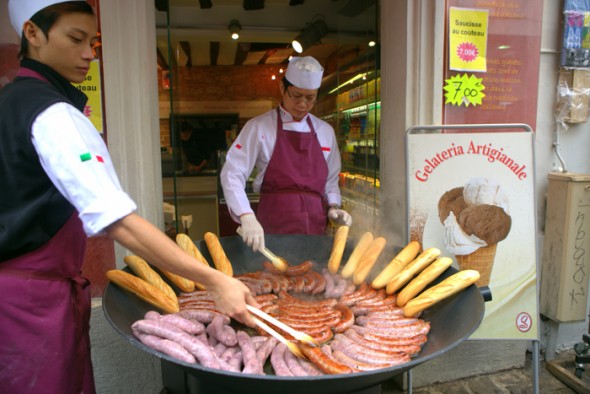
pixel 313 33
pixel 234 28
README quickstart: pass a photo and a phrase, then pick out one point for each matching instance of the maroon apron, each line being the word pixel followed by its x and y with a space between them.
pixel 45 314
pixel 292 192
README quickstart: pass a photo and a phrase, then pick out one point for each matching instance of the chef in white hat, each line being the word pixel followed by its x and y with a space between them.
pixel 297 164
pixel 59 187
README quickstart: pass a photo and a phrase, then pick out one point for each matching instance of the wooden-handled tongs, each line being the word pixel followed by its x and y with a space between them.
pixel 278 262
pixel 300 336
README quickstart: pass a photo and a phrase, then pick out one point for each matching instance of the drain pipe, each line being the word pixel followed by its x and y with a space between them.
pixel 556 147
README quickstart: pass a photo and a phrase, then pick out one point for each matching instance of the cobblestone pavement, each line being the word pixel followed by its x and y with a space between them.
pixel 513 381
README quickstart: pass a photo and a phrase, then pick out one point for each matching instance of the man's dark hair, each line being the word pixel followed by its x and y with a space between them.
pixel 47 17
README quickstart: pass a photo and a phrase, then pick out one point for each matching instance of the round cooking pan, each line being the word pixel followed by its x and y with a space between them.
pixel 451 321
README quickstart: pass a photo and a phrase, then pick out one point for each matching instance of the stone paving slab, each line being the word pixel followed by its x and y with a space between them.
pixel 513 381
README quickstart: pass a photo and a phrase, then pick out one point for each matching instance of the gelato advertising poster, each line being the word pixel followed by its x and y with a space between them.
pixel 472 196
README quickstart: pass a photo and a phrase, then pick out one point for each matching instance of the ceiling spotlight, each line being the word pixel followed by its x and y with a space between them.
pixel 372 43
pixel 234 28
pixel 310 35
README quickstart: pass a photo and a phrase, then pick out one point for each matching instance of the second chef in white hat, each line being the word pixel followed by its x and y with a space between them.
pixel 297 161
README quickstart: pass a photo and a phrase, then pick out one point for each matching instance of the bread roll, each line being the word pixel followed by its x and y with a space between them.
pixel 423 279
pixel 356 254
pixel 338 248
pixel 452 285
pixel 418 264
pixel 143 290
pixel 368 260
pixel 142 269
pixel 399 262
pixel 219 257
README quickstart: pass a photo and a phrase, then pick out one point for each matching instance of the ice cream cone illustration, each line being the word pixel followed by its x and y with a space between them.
pixel 475 218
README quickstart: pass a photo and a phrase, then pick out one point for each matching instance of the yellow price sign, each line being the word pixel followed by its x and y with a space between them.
pixel 464 89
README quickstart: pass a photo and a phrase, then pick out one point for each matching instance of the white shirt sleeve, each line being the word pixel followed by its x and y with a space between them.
pixel 76 159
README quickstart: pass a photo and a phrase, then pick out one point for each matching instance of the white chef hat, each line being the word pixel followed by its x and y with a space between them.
pixel 21 11
pixel 305 72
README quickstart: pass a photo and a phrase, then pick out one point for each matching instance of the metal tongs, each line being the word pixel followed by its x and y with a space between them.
pixel 278 262
pixel 300 336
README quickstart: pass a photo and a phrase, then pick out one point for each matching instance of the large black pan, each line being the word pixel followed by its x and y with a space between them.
pixel 452 321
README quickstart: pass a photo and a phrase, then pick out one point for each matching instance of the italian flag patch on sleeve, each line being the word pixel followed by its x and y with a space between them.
pixel 88 156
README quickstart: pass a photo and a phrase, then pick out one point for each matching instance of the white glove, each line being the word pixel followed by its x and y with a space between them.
pixel 340 217
pixel 252 232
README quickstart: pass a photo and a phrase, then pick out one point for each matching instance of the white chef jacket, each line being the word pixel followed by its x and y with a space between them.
pixel 254 147
pixel 76 159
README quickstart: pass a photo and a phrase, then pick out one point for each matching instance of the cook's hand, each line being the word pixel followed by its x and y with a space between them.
pixel 252 232
pixel 340 217
pixel 231 296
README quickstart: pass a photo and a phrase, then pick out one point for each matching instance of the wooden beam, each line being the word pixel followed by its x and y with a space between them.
pixel 214 52
pixel 186 47
pixel 161 60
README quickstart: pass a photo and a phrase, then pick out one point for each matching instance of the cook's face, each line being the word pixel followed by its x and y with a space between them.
pixel 69 47
pixel 298 102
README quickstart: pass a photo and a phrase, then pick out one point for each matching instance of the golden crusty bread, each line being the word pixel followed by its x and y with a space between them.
pixel 448 287
pixel 142 269
pixel 423 279
pixel 143 290
pixel 418 264
pixel 219 257
pixel 368 260
pixel 357 253
pixel 338 248
pixel 187 244
pixel 183 284
pixel 399 262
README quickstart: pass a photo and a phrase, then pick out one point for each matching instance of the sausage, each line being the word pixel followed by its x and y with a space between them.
pixel 409 331
pixel 277 360
pixel 266 349
pixel 377 321
pixel 292 270
pixel 166 346
pixel 366 355
pixel 204 316
pixel 229 352
pixel 251 363
pixel 330 284
pixel 318 285
pixel 193 327
pixel 203 353
pixel 357 365
pixel 222 332
pixel 293 364
pixel 346 320
pixel 309 367
pixel 322 361
pixel 329 302
pixel 236 361
pixel 409 349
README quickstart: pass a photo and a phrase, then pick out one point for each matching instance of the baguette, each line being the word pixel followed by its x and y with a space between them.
pixel 220 260
pixel 144 290
pixel 356 254
pixel 448 287
pixel 187 244
pixel 183 284
pixel 418 264
pixel 399 262
pixel 338 249
pixel 423 279
pixel 142 269
pixel 368 260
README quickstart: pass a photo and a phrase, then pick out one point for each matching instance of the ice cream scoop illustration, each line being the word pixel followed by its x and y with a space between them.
pixel 476 217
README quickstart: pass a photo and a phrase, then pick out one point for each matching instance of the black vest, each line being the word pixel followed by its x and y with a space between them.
pixel 32 210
